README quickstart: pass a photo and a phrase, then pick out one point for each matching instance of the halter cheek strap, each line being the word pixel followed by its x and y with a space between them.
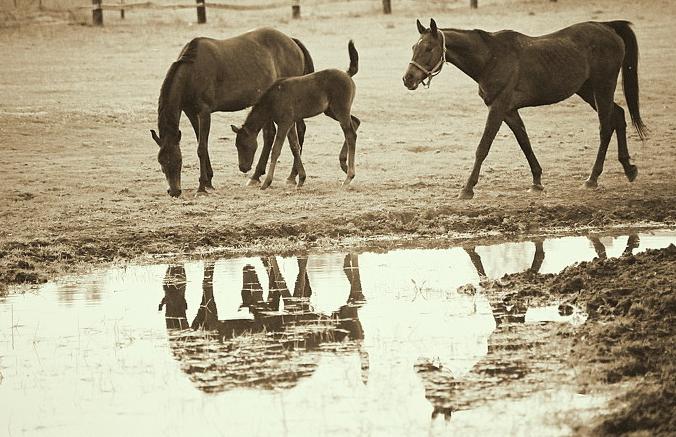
pixel 429 74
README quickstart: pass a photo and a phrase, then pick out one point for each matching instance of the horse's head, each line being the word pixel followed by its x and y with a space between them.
pixel 170 160
pixel 429 55
pixel 246 144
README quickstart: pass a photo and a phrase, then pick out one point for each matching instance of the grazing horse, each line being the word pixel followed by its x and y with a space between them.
pixel 222 75
pixel 291 100
pixel 516 71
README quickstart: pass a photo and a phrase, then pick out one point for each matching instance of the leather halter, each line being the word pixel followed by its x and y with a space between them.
pixel 429 74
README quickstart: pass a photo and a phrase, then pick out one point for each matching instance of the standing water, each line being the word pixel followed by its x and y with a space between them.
pixel 404 342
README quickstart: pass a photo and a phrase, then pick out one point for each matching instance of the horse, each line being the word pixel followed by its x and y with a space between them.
pixel 514 71
pixel 222 75
pixel 293 99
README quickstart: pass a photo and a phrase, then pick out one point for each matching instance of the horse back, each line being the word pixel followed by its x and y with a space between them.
pixel 231 74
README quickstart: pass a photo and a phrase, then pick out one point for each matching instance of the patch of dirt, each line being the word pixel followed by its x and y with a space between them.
pixel 628 338
pixel 84 186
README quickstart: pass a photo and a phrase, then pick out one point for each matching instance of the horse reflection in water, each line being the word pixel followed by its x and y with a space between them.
pixel 503 363
pixel 272 347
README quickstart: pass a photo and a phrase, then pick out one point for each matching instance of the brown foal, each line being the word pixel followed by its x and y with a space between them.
pixel 293 99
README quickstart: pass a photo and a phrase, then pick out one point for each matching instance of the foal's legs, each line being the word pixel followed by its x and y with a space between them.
pixel 294 143
pixel 620 126
pixel 268 137
pixel 206 173
pixel 495 118
pixel 513 120
pixel 352 125
pixel 282 131
pixel 300 129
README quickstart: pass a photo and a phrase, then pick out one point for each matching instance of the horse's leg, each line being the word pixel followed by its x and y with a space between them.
pixel 493 122
pixel 194 121
pixel 351 139
pixel 300 129
pixel 268 137
pixel 343 155
pixel 620 122
pixel 294 144
pixel 282 131
pixel 620 127
pixel 539 256
pixel 513 120
pixel 203 150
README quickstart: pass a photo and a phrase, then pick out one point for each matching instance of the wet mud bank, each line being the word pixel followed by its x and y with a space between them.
pixel 628 339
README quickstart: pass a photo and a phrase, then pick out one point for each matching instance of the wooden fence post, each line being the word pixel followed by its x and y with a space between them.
pixel 387 7
pixel 473 4
pixel 201 11
pixel 295 9
pixel 97 13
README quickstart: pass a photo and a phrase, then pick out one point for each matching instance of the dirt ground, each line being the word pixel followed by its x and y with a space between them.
pixel 628 338
pixel 81 184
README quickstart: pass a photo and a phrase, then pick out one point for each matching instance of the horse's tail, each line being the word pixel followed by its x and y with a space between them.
pixel 630 73
pixel 354 59
pixel 309 65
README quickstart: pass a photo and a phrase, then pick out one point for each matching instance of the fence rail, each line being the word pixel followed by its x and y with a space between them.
pixel 98 7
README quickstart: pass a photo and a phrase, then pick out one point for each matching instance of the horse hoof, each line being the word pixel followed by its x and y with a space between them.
pixel 210 187
pixel 536 188
pixel 291 181
pixel 253 182
pixel 346 182
pixel 201 192
pixel 591 184
pixel 631 173
pixel 466 194
pixel 266 184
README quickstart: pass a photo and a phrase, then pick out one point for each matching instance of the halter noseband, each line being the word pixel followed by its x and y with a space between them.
pixel 429 74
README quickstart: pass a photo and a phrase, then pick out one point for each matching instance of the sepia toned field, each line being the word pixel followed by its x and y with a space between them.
pixel 81 184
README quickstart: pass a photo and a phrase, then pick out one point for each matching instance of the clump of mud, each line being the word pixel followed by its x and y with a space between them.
pixel 629 336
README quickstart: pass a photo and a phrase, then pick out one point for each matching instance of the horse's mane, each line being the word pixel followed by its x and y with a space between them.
pixel 164 114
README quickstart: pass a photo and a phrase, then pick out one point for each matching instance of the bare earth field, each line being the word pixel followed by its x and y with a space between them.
pixel 81 185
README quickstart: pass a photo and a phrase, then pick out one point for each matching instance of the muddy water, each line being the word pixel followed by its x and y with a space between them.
pixel 400 343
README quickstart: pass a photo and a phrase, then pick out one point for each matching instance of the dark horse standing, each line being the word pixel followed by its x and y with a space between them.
pixel 222 75
pixel 516 71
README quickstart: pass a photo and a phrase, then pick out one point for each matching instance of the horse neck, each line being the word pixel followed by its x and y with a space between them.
pixel 257 118
pixel 467 50
pixel 170 103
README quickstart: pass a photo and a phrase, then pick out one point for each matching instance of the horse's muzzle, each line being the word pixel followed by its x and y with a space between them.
pixel 410 82
pixel 174 193
pixel 244 169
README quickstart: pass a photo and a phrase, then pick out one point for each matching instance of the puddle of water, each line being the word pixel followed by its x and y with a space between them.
pixel 402 342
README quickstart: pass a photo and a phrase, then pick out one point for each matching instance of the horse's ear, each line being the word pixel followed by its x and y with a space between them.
pixel 433 27
pixel 235 129
pixel 155 137
pixel 421 28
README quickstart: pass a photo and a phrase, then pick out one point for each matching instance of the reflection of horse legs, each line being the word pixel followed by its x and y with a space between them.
pixel 599 248
pixel 277 284
pixel 174 298
pixel 632 243
pixel 207 315
pixel 476 262
pixel 351 269
pixel 252 292
pixel 539 256
pixel 302 288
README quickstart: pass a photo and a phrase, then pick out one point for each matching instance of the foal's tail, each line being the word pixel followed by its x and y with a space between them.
pixel 309 65
pixel 630 73
pixel 354 59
